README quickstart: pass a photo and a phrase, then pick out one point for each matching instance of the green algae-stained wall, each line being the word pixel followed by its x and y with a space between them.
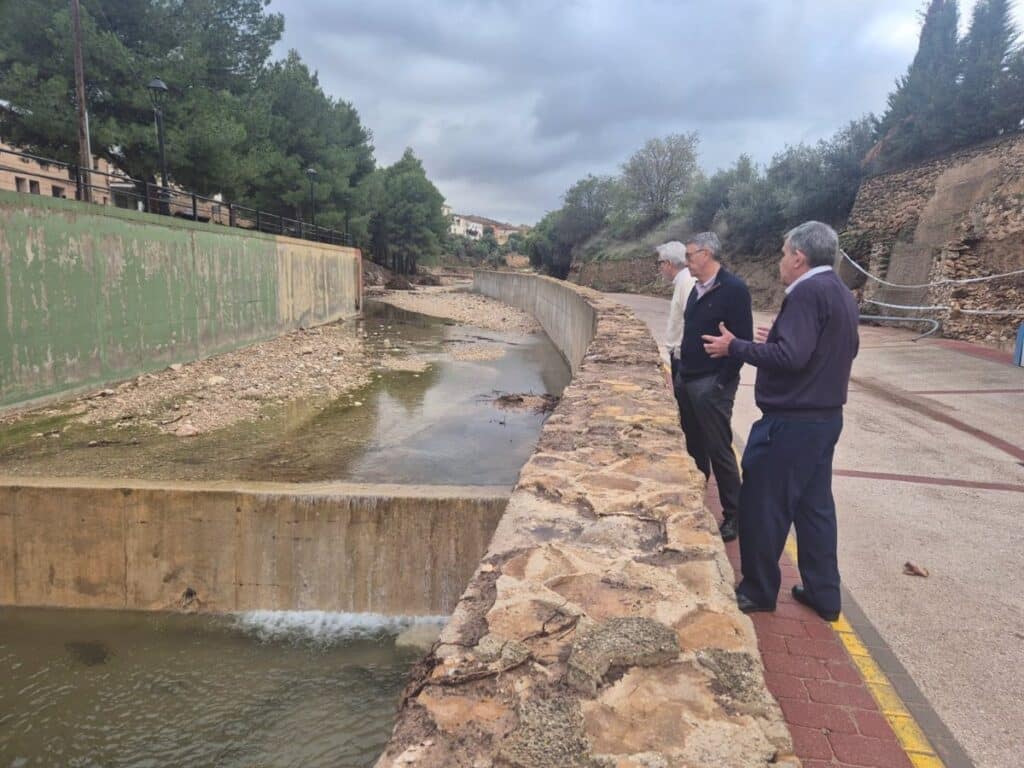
pixel 91 295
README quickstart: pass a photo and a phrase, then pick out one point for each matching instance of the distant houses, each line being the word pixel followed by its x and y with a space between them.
pixel 33 175
pixel 473 226
pixel 108 185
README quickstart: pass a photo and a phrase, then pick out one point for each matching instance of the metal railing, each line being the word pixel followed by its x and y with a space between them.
pixel 46 176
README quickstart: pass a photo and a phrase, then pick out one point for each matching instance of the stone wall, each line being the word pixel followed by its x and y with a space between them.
pixel 601 627
pixel 398 550
pixel 95 294
pixel 958 216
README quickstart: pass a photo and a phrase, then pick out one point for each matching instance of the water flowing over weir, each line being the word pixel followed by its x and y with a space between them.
pixel 279 583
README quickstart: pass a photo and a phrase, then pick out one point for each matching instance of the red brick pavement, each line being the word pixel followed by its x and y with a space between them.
pixel 832 715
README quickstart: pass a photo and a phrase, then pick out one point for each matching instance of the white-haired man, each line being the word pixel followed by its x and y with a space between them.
pixel 803 372
pixel 673 269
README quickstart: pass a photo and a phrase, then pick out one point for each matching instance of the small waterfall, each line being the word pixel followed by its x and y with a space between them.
pixel 325 627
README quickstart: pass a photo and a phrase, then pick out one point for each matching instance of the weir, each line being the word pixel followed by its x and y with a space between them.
pixel 229 547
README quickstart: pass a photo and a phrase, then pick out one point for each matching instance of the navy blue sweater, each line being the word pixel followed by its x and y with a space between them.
pixel 727 302
pixel 805 363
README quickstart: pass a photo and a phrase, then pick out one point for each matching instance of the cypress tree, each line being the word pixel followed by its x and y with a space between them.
pixel 919 120
pixel 984 54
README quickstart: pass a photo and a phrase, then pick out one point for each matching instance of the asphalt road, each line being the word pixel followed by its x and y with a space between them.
pixel 930 469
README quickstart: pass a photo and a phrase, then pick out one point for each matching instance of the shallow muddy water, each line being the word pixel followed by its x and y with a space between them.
pixel 436 426
pixel 102 688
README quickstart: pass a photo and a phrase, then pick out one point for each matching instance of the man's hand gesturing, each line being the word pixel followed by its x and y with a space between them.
pixel 718 346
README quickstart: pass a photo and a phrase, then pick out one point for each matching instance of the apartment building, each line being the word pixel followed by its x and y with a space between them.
pixel 20 172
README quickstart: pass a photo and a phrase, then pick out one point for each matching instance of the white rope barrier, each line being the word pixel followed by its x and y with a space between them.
pixel 949 281
pixel 940 308
pixel 906 306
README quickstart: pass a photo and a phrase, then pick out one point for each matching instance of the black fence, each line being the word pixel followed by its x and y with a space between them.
pixel 45 176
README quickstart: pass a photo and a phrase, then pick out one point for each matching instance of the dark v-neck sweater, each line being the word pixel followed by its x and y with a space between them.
pixel 804 365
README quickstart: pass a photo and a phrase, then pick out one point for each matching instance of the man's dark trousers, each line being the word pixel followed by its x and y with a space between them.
pixel 787 479
pixel 705 413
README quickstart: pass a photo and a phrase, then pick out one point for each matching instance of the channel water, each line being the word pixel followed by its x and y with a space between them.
pixel 92 689
pixel 437 426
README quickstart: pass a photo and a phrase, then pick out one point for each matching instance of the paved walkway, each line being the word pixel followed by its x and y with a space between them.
pixel 834 719
pixel 930 469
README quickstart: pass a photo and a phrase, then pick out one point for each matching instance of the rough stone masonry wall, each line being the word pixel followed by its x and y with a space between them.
pixel 958 216
pixel 601 628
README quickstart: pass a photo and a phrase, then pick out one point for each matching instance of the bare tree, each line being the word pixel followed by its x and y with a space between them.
pixel 660 174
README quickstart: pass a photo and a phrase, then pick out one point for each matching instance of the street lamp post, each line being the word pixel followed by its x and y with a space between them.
pixel 312 174
pixel 158 95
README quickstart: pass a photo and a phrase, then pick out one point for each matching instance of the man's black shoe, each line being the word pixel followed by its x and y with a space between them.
pixel 801 597
pixel 747 605
pixel 729 528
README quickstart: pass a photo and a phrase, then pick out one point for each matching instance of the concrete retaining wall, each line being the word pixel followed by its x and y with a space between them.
pixel 601 627
pixel 339 547
pixel 92 294
pixel 566 316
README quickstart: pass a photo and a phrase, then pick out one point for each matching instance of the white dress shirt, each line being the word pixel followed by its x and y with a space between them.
pixel 684 283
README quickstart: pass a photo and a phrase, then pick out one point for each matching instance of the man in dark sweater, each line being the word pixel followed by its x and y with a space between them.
pixel 803 372
pixel 706 387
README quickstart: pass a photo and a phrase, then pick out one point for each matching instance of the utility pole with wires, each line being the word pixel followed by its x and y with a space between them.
pixel 84 149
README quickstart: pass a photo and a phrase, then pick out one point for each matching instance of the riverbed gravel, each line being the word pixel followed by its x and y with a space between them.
pixel 456 303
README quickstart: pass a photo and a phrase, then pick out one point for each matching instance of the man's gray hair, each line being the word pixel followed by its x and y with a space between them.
pixel 817 241
pixel 673 252
pixel 706 241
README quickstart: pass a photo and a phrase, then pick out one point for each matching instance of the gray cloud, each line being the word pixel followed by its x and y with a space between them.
pixel 508 102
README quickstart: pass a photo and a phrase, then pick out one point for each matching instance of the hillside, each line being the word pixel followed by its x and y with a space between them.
pixel 628 266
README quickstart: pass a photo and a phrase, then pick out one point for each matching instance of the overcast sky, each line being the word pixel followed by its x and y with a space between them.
pixel 508 102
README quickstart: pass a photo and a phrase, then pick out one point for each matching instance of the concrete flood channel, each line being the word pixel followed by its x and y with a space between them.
pixel 282 575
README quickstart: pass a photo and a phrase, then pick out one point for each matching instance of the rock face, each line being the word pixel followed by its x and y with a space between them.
pixel 634 275
pixel 955 217
pixel 601 628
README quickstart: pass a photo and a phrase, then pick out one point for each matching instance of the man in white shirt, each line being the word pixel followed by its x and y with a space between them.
pixel 673 269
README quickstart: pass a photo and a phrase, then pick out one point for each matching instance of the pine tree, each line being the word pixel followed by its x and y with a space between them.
pixel 919 120
pixel 984 54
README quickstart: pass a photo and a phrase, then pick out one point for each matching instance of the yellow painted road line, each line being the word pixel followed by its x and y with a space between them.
pixel 908 733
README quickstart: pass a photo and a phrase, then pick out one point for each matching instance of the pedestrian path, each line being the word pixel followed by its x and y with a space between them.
pixel 831 712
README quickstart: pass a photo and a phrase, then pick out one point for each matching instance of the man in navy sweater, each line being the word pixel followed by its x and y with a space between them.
pixel 705 387
pixel 803 370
